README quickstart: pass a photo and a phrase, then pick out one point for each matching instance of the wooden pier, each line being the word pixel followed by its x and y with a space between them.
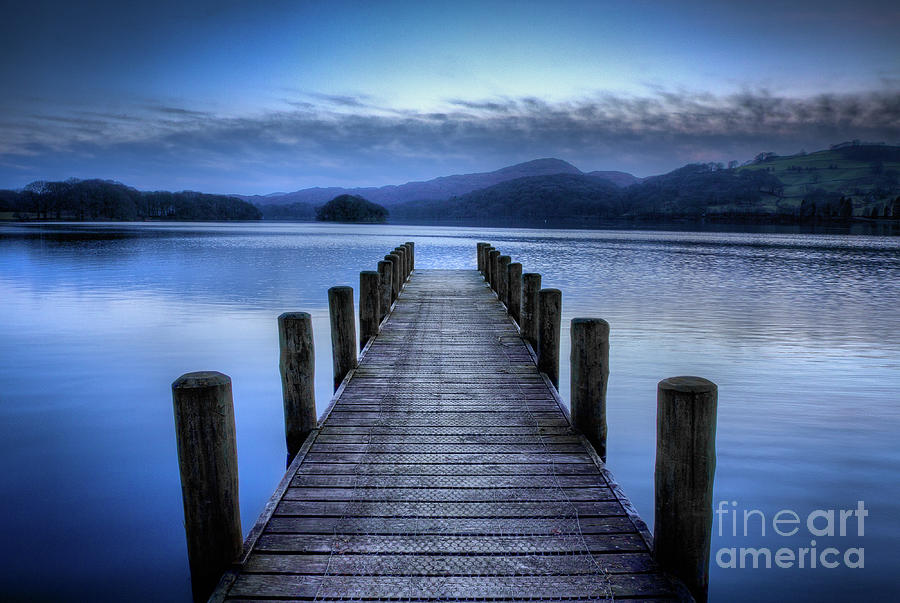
pixel 446 469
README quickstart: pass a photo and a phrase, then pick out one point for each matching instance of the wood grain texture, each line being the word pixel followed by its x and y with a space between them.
pixel 207 459
pixel 297 365
pixel 446 470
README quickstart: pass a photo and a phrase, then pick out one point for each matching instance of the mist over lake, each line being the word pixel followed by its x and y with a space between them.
pixel 800 332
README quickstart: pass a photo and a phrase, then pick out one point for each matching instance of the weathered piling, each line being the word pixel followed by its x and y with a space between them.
pixel 494 258
pixel 531 285
pixel 503 281
pixel 514 292
pixel 394 259
pixel 298 369
pixel 385 288
pixel 400 251
pixel 207 460
pixel 488 275
pixel 369 306
pixel 479 254
pixel 550 304
pixel 404 258
pixel 407 261
pixel 589 361
pixel 343 332
pixel 685 468
pixel 412 255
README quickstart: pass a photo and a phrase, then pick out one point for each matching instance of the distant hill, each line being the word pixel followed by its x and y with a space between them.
pixel 869 174
pixel 692 190
pixel 532 197
pixel 622 179
pixel 351 208
pixel 849 181
pixel 431 190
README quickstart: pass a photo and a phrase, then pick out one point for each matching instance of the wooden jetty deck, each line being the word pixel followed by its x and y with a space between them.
pixel 446 470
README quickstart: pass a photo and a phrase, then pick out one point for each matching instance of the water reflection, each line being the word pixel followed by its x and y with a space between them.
pixel 799 331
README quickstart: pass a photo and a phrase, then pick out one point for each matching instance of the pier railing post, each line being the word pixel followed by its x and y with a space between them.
pixel 369 306
pixel 343 332
pixel 589 363
pixel 487 264
pixel 207 460
pixel 405 253
pixel 406 262
pixel 412 255
pixel 394 259
pixel 550 313
pixel 531 285
pixel 494 258
pixel 479 254
pixel 385 288
pixel 298 369
pixel 514 293
pixel 503 281
pixel 685 468
pixel 401 252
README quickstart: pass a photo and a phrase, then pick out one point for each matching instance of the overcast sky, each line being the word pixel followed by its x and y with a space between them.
pixel 254 97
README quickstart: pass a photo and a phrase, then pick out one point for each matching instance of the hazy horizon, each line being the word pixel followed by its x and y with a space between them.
pixel 231 97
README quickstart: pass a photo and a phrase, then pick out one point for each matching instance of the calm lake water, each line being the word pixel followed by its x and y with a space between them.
pixel 800 332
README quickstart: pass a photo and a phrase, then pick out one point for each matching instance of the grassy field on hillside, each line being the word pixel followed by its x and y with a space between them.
pixel 835 172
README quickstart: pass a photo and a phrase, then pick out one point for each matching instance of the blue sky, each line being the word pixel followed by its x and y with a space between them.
pixel 256 97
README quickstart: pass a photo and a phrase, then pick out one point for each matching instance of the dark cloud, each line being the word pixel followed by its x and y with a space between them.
pixel 341 100
pixel 178 111
pixel 314 144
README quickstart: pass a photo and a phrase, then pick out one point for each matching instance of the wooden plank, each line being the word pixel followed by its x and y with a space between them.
pixel 549 493
pixel 355 544
pixel 450 481
pixel 438 468
pixel 474 587
pixel 445 509
pixel 292 563
pixel 455 526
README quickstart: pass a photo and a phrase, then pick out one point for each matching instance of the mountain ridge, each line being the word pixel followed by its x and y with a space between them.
pixel 440 188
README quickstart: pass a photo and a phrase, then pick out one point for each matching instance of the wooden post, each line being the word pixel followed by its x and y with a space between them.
pixel 207 460
pixel 550 303
pixel 408 259
pixel 590 373
pixel 385 288
pixel 395 275
pixel 404 258
pixel 503 281
pixel 494 258
pixel 298 370
pixel 486 255
pixel 402 254
pixel 685 468
pixel 480 249
pixel 369 306
pixel 343 332
pixel 514 293
pixel 412 255
pixel 531 285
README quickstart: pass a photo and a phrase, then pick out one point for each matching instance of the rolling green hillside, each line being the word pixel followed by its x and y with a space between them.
pixel 868 174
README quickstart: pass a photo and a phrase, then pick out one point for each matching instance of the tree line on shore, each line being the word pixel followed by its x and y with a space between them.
pixel 107 200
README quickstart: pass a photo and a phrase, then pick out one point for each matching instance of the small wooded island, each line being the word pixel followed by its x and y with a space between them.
pixel 351 208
